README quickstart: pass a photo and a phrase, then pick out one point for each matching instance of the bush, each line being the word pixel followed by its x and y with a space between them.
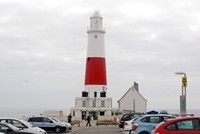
pixel 106 122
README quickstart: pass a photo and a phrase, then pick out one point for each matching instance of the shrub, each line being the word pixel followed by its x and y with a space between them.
pixel 106 122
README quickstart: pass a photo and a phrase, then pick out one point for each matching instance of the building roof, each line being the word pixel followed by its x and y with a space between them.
pixel 133 88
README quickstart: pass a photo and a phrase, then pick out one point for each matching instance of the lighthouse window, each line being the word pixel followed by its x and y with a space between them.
pixel 95 36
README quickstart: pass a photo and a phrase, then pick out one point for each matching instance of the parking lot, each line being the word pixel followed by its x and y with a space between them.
pixel 97 130
pixel 94 130
pixel 67 132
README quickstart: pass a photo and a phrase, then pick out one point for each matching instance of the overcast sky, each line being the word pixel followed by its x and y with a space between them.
pixel 43 50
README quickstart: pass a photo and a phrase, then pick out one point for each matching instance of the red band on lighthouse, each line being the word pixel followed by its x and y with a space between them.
pixel 95 71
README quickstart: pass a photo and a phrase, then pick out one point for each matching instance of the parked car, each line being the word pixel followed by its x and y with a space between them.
pixel 11 129
pixel 125 117
pixel 23 125
pixel 146 123
pixel 128 124
pixel 48 124
pixel 180 125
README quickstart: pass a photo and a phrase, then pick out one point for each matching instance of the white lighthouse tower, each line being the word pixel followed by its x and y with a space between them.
pixel 95 76
pixel 94 100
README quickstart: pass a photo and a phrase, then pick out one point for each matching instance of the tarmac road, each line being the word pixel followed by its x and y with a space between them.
pixel 97 130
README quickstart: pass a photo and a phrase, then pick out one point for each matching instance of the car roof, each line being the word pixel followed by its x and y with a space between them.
pixel 39 116
pixel 154 115
pixel 150 115
pixel 184 118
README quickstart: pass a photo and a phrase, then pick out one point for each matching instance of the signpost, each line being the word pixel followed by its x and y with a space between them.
pixel 183 110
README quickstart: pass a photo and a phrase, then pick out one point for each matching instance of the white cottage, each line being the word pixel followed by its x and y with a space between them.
pixel 132 101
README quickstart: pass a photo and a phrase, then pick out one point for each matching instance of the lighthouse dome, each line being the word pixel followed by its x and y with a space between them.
pixel 96 14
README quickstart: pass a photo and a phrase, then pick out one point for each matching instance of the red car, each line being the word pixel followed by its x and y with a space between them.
pixel 180 125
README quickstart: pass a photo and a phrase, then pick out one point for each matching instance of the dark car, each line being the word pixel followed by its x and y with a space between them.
pixel 10 129
pixel 125 117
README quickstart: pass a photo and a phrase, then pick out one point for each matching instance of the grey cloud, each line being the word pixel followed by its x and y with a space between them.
pixel 43 48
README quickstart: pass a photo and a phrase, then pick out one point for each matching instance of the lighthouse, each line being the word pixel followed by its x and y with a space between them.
pixel 95 74
pixel 94 101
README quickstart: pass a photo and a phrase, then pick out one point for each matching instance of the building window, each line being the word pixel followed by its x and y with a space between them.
pixel 84 94
pixel 103 94
pixel 95 36
pixel 102 103
pixel 101 113
pixel 83 103
pixel 95 94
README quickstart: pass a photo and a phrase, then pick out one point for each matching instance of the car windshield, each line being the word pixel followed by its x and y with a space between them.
pixel 126 117
pixel 13 127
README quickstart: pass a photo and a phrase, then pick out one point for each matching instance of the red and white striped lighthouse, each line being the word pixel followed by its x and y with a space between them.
pixel 95 75
pixel 94 101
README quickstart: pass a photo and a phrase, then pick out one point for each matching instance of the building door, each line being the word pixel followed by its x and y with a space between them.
pixel 94 115
pixel 83 115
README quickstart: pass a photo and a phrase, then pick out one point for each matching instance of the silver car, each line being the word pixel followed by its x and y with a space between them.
pixel 48 124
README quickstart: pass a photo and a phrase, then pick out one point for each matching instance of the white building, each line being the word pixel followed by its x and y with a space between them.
pixel 132 101
pixel 94 100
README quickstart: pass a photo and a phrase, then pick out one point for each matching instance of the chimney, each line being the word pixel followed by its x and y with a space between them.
pixel 136 86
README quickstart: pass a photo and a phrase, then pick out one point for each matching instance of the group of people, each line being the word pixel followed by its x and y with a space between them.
pixel 88 119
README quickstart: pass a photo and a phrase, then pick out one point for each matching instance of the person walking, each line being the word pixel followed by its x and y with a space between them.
pixel 88 121
pixel 69 118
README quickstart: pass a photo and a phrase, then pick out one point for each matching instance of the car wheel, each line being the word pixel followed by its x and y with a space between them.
pixel 57 129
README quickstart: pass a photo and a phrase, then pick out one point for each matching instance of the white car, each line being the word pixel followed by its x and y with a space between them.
pixel 128 124
pixel 24 125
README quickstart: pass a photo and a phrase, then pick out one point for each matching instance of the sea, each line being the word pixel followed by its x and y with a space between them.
pixel 23 113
